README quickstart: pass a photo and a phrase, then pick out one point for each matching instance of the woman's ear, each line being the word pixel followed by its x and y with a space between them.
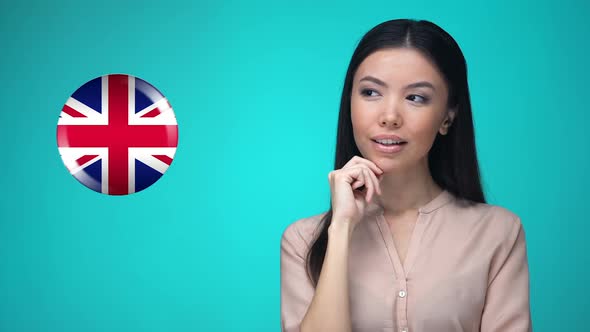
pixel 448 121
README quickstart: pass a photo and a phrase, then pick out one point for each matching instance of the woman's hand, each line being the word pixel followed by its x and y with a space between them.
pixel 348 203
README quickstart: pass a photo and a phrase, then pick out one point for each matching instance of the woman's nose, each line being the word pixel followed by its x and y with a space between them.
pixel 390 117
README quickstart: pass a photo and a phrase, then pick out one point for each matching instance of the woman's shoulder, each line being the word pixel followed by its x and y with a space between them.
pixel 496 218
pixel 304 229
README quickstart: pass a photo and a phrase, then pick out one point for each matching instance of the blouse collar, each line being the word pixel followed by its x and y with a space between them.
pixel 443 198
pixel 437 202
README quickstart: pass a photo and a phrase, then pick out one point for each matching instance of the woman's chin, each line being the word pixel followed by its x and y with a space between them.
pixel 389 165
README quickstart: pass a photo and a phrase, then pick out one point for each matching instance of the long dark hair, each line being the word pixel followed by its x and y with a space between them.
pixel 452 160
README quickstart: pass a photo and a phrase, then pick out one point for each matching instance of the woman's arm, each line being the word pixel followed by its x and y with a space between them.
pixel 329 311
pixel 330 307
pixel 507 306
pixel 326 308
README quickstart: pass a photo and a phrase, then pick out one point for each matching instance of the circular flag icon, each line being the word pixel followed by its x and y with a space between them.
pixel 117 134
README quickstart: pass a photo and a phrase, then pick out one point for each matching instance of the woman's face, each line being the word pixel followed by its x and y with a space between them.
pixel 384 102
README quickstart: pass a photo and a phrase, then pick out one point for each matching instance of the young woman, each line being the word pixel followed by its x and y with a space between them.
pixel 409 243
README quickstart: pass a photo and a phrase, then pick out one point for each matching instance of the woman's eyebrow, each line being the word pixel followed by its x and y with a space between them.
pixel 409 86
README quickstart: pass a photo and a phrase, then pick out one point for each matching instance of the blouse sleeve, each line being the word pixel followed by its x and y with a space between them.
pixel 296 289
pixel 507 305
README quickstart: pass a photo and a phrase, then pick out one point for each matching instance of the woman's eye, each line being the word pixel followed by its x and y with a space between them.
pixel 422 100
pixel 367 92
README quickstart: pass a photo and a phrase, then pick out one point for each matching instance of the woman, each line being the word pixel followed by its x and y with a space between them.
pixel 409 243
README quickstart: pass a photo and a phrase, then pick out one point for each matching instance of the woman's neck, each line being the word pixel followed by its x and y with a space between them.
pixel 407 190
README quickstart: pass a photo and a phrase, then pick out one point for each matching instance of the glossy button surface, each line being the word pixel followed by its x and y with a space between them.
pixel 117 134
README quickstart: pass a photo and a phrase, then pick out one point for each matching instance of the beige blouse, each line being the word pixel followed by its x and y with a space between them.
pixel 466 269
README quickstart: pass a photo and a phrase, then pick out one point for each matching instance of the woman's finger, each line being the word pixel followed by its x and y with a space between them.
pixel 370 179
pixel 357 184
pixel 370 185
pixel 376 182
pixel 359 176
pixel 358 160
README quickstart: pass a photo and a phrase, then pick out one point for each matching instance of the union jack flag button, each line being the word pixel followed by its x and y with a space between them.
pixel 117 134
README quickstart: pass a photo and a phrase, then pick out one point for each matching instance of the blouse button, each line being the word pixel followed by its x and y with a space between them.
pixel 402 293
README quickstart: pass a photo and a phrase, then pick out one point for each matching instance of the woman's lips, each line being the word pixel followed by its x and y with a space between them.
pixel 392 148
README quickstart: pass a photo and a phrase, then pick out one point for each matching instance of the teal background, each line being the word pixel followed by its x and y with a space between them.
pixel 255 88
